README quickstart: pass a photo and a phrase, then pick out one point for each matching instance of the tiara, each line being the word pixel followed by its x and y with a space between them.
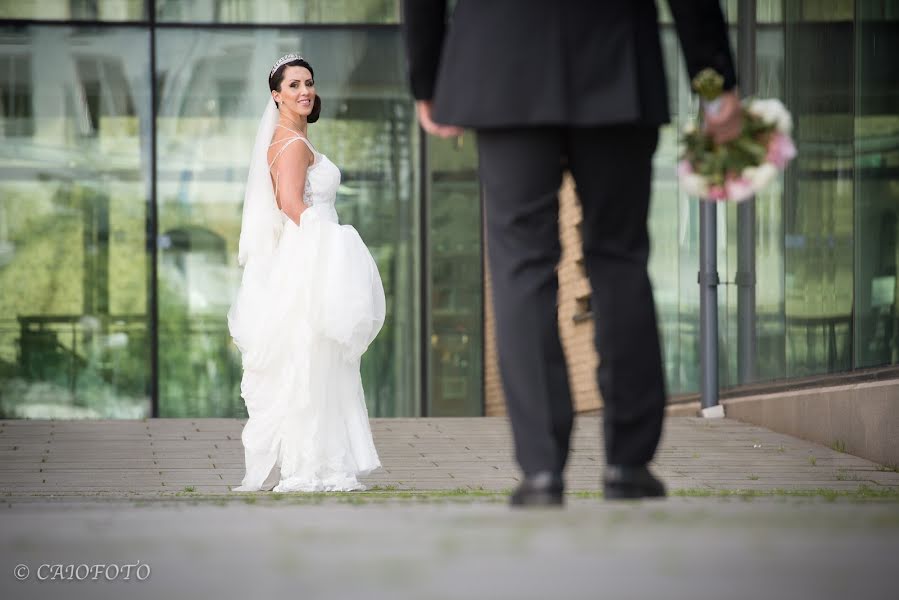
pixel 285 59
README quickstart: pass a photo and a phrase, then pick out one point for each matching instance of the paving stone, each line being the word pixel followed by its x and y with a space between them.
pixel 126 457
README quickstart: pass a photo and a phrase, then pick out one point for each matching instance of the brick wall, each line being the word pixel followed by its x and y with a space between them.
pixel 575 323
pixel 494 400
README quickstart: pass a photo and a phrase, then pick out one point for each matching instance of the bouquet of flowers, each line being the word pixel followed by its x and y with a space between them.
pixel 738 169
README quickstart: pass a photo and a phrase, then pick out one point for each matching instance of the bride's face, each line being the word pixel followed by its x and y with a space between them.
pixel 297 93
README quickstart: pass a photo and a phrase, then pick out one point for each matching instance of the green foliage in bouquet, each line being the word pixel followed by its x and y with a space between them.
pixel 715 161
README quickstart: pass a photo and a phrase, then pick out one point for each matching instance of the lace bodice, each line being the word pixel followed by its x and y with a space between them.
pixel 322 176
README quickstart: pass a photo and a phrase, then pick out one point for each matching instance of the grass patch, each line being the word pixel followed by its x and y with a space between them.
pixel 888 468
pixel 376 494
pixel 584 494
pixel 753 477
pixel 863 492
pixel 843 475
pixel 477 496
pixel 839 446
pixel 812 460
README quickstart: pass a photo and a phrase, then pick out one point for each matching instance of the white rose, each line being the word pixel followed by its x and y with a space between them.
pixel 760 176
pixel 695 185
pixel 762 109
pixel 784 119
pixel 773 112
pixel 755 107
pixel 690 127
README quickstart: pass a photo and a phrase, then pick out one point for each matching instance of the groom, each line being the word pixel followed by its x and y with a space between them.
pixel 576 85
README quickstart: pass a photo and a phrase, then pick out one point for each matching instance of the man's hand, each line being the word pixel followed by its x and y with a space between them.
pixel 727 121
pixel 423 107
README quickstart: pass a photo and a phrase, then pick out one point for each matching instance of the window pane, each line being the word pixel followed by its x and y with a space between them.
pixel 212 92
pixel 877 184
pixel 825 10
pixel 286 12
pixel 819 195
pixel 73 202
pixel 82 10
pixel 456 315
pixel 771 327
pixel 674 231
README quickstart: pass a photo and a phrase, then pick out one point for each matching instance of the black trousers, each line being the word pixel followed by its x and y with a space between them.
pixel 521 171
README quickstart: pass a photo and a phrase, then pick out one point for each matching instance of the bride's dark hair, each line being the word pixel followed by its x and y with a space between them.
pixel 275 79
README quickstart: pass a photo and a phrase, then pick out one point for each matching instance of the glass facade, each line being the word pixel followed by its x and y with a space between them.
pixel 455 291
pixel 826 233
pixel 126 143
pixel 74 10
pixel 209 104
pixel 74 195
pixel 127 128
pixel 277 11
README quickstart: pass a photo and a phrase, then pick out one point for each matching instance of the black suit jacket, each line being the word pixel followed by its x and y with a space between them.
pixel 500 63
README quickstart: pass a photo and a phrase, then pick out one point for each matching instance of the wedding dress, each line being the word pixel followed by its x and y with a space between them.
pixel 309 304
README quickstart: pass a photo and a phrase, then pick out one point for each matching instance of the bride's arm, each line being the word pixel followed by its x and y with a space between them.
pixel 290 173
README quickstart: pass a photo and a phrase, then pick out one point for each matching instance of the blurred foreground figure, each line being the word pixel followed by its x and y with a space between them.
pixel 549 86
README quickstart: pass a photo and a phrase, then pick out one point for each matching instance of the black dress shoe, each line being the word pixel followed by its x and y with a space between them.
pixel 620 482
pixel 540 489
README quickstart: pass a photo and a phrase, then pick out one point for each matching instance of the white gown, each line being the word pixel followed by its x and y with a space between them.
pixel 302 320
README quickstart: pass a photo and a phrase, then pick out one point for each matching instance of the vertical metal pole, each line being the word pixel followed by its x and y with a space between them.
pixel 746 273
pixel 708 303
pixel 483 246
pixel 424 228
pixel 153 229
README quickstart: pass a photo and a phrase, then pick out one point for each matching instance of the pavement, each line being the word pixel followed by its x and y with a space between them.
pixel 753 514
pixel 153 457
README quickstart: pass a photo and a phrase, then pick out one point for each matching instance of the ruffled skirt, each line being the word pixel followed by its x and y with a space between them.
pixel 302 319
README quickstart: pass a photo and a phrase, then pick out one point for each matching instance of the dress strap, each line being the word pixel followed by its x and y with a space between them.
pixel 288 129
pixel 297 135
pixel 283 148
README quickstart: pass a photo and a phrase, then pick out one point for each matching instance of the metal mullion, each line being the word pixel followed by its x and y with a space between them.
pixel 152 228
pixel 746 211
pixel 424 273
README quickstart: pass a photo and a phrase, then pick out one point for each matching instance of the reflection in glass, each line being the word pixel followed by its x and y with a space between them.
pixel 74 197
pixel 673 229
pixel 826 233
pixel 82 10
pixel 819 196
pixel 455 311
pixel 212 91
pixel 286 12
pixel 876 164
pixel 73 200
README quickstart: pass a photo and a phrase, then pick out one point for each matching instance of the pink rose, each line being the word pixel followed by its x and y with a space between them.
pixel 684 168
pixel 717 192
pixel 780 150
pixel 738 189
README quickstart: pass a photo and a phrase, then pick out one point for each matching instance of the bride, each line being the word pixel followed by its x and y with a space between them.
pixel 310 302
